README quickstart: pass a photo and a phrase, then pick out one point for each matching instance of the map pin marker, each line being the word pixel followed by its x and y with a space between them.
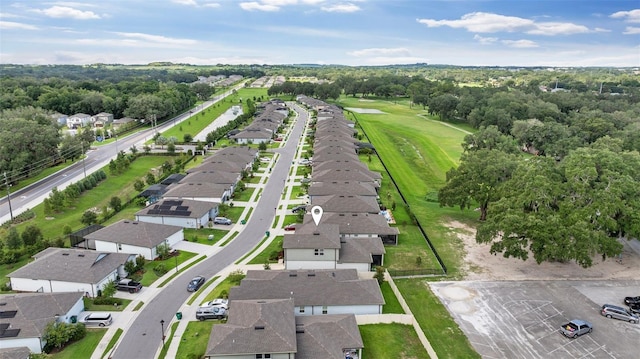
pixel 316 213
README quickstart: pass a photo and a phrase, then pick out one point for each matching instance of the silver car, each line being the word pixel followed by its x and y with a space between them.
pixel 97 319
pixel 616 312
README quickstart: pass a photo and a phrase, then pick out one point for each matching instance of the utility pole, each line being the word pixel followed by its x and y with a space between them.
pixel 6 183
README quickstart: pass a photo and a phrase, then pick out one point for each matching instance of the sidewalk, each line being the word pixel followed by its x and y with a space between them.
pixel 123 320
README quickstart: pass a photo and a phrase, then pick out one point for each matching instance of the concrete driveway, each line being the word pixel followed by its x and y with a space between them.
pixel 520 319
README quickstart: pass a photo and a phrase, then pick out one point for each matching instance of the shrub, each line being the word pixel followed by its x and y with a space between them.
pixel 160 269
pixel 236 276
pixel 107 301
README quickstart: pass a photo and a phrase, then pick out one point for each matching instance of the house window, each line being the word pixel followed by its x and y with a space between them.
pixel 301 310
pixel 263 356
pixel 324 309
pixel 318 252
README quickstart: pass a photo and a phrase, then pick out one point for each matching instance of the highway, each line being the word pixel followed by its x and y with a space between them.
pixel 96 158
pixel 143 338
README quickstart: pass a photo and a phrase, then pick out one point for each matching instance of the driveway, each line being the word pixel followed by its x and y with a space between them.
pixel 520 319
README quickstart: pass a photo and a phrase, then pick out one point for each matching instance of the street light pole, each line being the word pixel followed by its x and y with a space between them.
pixel 6 183
pixel 84 167
pixel 162 326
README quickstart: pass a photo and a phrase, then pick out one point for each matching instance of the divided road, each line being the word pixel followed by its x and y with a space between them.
pixel 144 336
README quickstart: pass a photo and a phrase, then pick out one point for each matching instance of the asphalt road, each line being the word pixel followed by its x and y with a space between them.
pixel 31 196
pixel 521 319
pixel 144 337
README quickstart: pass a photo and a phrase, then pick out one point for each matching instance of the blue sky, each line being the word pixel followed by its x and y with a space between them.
pixel 349 32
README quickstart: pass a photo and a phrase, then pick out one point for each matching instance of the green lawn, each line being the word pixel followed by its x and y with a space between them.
pixel 82 348
pixel 392 305
pixel 89 306
pixel 443 333
pixel 195 339
pixel 202 235
pixel 263 257
pixel 244 195
pixel 197 122
pixel 150 275
pixel 220 291
pixel 391 341
pixel 98 197
pixel 112 342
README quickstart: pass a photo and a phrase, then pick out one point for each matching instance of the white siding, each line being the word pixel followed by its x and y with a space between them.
pixel 102 246
pixel 348 309
pixel 75 310
pixel 204 199
pixel 47 286
pixel 360 267
pixel 175 238
pixel 253 356
pixel 175 221
pixel 32 343
pixel 309 264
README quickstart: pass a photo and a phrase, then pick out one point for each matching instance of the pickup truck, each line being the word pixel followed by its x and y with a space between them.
pixel 575 328
pixel 129 285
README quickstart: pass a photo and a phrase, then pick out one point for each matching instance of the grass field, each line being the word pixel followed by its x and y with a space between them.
pixel 418 152
pixel 195 339
pixel 82 348
pixel 391 341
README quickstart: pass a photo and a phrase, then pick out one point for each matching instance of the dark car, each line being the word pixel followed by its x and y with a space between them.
pixel 195 283
pixel 632 300
pixel 301 208
pixel 635 308
pixel 290 227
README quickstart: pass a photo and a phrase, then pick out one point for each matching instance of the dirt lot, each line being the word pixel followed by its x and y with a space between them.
pixel 482 265
pixel 509 308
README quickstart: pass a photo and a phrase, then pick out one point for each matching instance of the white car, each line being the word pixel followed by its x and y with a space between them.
pixel 219 302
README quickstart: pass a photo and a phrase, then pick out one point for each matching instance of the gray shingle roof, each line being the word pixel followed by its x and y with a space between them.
pixel 236 149
pixel 347 204
pixel 218 177
pixel 360 250
pixel 71 265
pixel 215 165
pixel 341 188
pixel 196 190
pixel 320 287
pixel 15 353
pixel 239 157
pixel 36 310
pixel 333 156
pixel 177 208
pixel 255 326
pixel 312 236
pixel 343 175
pixel 326 336
pixel 357 223
pixel 140 234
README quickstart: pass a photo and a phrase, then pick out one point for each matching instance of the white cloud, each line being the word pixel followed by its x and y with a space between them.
pixel 312 2
pixel 279 3
pixel 520 44
pixel 305 31
pixel 253 5
pixel 9 25
pixel 483 22
pixel 628 16
pixel 68 12
pixel 185 2
pixel 397 51
pixel 557 28
pixel 385 60
pixel 631 30
pixel 485 40
pixel 156 38
pixel 195 3
pixel 347 7
pixel 7 16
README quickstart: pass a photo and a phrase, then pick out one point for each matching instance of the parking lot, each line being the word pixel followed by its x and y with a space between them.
pixel 521 319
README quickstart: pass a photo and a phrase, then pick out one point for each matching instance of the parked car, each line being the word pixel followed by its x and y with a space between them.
pixel 632 300
pixel 300 208
pixel 305 180
pixel 129 285
pixel 290 227
pixel 219 302
pixel 575 328
pixel 211 313
pixel 97 319
pixel 616 312
pixel 195 283
pixel 222 220
pixel 635 308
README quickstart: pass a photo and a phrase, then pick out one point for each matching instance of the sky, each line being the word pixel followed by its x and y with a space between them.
pixel 557 33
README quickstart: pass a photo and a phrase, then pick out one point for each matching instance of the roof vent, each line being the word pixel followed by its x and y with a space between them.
pixel 259 327
pixel 316 233
pixel 299 330
pixel 65 254
pixel 293 274
pixel 80 255
pixel 311 274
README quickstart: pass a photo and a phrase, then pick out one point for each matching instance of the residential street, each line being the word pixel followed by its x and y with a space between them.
pixel 143 336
